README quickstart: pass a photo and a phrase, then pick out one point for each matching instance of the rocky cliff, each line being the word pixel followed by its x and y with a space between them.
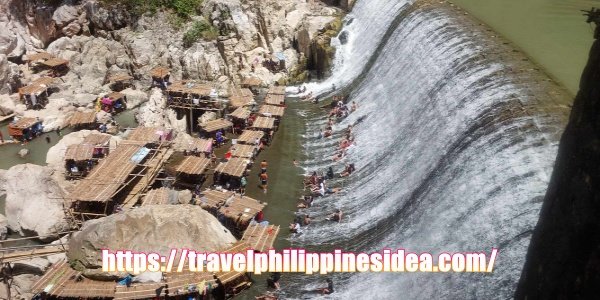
pixel 103 38
pixel 563 261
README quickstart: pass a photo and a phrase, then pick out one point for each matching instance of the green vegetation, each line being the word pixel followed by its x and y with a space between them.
pixel 200 29
pixel 183 8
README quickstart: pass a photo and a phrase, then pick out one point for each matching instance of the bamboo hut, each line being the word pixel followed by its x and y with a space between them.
pixel 79 160
pixel 190 94
pixel 264 123
pixel 230 173
pixel 250 137
pixel 96 194
pixel 114 102
pixel 272 111
pixel 210 128
pixel 25 129
pixel 160 77
pixel 234 210
pixel 239 118
pixel 275 99
pixel 241 97
pixel 149 135
pixel 252 83
pixel 119 82
pixel 57 66
pixel 35 95
pixel 190 171
pixel 60 281
pixel 100 141
pixel 244 151
pixel 83 120
pixel 260 237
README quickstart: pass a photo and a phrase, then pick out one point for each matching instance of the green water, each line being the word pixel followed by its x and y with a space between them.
pixel 284 185
pixel 552 32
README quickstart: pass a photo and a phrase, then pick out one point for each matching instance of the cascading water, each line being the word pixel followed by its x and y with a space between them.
pixel 456 135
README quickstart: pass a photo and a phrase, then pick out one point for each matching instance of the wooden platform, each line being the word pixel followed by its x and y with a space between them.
pixel 250 136
pixel 193 165
pixel 218 124
pixel 190 87
pixel 241 113
pixel 81 152
pixel 37 87
pixel 234 167
pixel 148 135
pixel 260 238
pixel 82 118
pixel 200 145
pixel 106 178
pixel 156 197
pixel 159 72
pixel 244 151
pixel 264 123
pixel 272 110
pixel 276 90
pixel 150 170
pixel 275 99
pixel 19 255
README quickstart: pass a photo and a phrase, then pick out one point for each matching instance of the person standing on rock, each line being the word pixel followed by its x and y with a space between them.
pixel 58 131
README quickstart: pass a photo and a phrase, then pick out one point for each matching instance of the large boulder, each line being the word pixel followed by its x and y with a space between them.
pixel 56 154
pixel 155 228
pixel 34 202
pixel 3 226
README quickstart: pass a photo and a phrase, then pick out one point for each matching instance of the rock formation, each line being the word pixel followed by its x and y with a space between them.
pixel 34 202
pixel 563 260
pixel 154 228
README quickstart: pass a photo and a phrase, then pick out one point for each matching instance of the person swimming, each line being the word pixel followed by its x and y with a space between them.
pixel 336 216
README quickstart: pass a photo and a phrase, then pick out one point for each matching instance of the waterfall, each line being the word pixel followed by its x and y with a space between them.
pixel 456 136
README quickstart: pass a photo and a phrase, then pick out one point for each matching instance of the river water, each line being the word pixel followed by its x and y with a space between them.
pixel 456 135
pixel 552 32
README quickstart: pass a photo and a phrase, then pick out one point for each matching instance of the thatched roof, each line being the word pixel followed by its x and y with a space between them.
pixel 263 123
pixel 114 96
pixel 159 72
pixel 108 176
pixel 202 145
pixel 260 238
pixel 250 136
pixel 38 86
pixel 235 167
pixel 240 113
pixel 239 101
pixel 24 123
pixel 119 77
pixel 193 165
pixel 233 206
pixel 55 62
pixel 190 87
pixel 275 99
pixel 214 125
pixel 272 110
pixel 97 139
pixel 147 134
pixel 79 152
pixel 38 56
pixel 80 118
